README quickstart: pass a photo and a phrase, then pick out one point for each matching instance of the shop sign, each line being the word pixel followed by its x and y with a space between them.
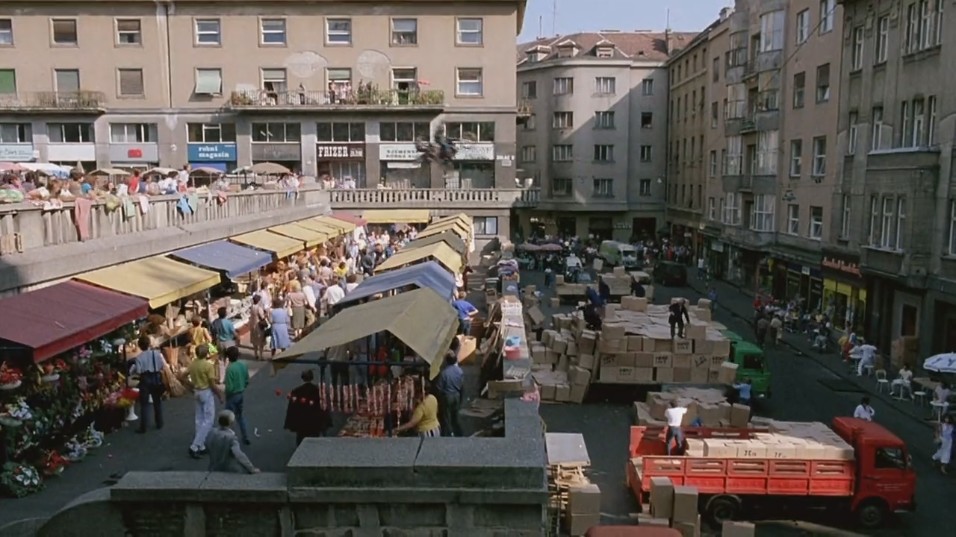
pixel 475 152
pixel 842 264
pixel 340 152
pixel 398 152
pixel 16 152
pixel 133 153
pixel 717 246
pixel 805 271
pixel 262 152
pixel 212 152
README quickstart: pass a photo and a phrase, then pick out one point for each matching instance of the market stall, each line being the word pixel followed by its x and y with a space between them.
pixel 351 218
pixel 460 218
pixel 160 280
pixel 280 245
pixel 334 228
pixel 428 275
pixel 310 236
pixel 444 254
pixel 231 259
pixel 396 216
pixel 458 228
pixel 446 237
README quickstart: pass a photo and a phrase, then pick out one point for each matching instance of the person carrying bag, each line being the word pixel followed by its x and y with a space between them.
pixel 149 365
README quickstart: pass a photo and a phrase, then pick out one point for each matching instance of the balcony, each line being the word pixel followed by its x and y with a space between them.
pixel 435 198
pixel 748 237
pixel 37 102
pixel 737 183
pixel 748 125
pixel 364 99
pixel 524 111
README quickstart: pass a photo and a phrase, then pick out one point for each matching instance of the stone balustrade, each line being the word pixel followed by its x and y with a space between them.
pixel 450 198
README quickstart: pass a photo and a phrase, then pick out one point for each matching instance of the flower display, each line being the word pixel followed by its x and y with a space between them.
pixel 52 463
pixel 19 480
pixel 91 438
pixel 18 410
pixel 10 375
pixel 74 450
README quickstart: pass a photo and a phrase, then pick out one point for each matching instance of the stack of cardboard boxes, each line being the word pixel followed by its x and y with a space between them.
pixel 708 405
pixel 673 507
pixel 583 509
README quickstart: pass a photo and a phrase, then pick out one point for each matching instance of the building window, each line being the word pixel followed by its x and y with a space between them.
pixel 771 31
pixel 71 133
pixel 340 132
pixel 816 223
pixel 714 114
pixel 796 158
pixel 647 120
pixel 887 223
pixel 272 32
pixel 931 125
pixel 338 31
pixel 827 14
pixel 803 26
pixel 647 87
pixel 562 153
pixel 845 216
pixel 604 119
pixel 563 86
pixel 529 153
pixel 906 120
pixel 471 131
pixel 208 32
pixel 919 122
pixel 820 156
pixel 858 42
pixel 882 39
pixel 900 231
pixel 64 32
pixel 208 82
pixel 734 164
pixel 129 32
pixel 276 132
pixel 604 153
pixel 761 219
pixel 874 221
pixel 646 153
pixel 8 82
pixel 469 32
pixel 67 80
pixel 952 227
pixel 799 89
pixel 210 133
pixel 133 133
pixel 876 136
pixel 531 123
pixel 6 33
pixel 562 186
pixel 939 22
pixel 130 82
pixel 644 187
pixel 603 188
pixel 529 90
pixel 274 80
pixel 404 32
pixel 485 225
pixel 562 120
pixel 823 83
pixel 404 131
pixel 605 85
pixel 768 147
pixel 853 134
pixel 16 133
pixel 713 164
pixel 793 219
pixel 468 82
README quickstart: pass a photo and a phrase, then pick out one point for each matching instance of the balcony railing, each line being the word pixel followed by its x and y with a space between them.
pixel 42 101
pixel 525 109
pixel 362 97
pixel 434 198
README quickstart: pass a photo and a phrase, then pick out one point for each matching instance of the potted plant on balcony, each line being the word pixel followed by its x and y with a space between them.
pixel 240 99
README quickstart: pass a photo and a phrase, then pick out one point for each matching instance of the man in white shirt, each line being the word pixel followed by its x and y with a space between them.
pixel 864 411
pixel 333 294
pixel 867 357
pixel 674 417
pixel 904 381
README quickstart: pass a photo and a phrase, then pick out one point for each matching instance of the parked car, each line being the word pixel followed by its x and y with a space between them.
pixel 670 274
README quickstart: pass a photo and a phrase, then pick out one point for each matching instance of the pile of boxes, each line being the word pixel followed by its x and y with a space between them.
pixel 672 507
pixel 583 510
pixel 708 405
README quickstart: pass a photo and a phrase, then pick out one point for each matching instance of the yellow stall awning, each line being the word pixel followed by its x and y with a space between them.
pixel 160 280
pixel 280 245
pixel 455 227
pixel 462 218
pixel 441 252
pixel 346 227
pixel 322 227
pixel 397 216
pixel 311 237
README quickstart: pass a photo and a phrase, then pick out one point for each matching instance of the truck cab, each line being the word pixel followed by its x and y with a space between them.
pixel 619 254
pixel 751 363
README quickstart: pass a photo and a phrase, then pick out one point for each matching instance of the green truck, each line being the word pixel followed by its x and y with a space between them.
pixel 751 363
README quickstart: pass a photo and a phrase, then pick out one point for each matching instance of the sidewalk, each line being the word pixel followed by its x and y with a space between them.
pixel 739 303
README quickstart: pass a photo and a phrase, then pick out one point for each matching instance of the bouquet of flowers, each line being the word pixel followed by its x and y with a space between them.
pixel 10 377
pixel 51 370
pixel 19 480
pixel 74 450
pixel 124 398
pixel 91 438
pixel 82 355
pixel 52 464
pixel 15 413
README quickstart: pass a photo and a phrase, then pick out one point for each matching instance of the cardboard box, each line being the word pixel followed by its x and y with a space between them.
pixel 699 376
pixel 703 315
pixel 643 375
pixel 720 449
pixel 547 392
pixel 643 359
pixel 664 374
pixel 613 331
pixel 635 344
pixel 739 416
pixel 578 376
pixel 610 345
pixel 695 331
pixel 633 303
pixel 700 361
pixel 538 351
pixel 584 499
pixel 550 357
pixel 721 347
pixel 717 360
pixel 579 524
pixel 727 373
pixel 578 393
pixel 682 374
pixel 625 375
pixel 662 497
pixel 704 303
pixel 682 361
pixel 751 450
pixel 738 529
pixel 536 316
pixel 682 346
pixel 562 393
pixel 663 359
pixel 559 344
pixel 709 414
pixel 781 451
pixel 685 504
pixel 563 363
pixel 587 343
pixel 658 344
pixel 688 529
pixel 703 346
pixel 725 409
pixel 712 375
pixel 646 520
pixel 468 348
pixel 586 361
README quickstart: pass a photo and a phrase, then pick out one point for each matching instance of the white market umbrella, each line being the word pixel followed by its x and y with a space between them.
pixel 941 363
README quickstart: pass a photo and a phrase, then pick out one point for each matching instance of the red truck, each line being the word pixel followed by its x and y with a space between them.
pixel 879 481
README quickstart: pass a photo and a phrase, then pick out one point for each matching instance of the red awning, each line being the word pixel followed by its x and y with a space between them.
pixel 58 318
pixel 349 217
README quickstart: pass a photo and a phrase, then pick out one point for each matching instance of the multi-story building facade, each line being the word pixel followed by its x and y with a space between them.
pixel 895 205
pixel 595 137
pixel 342 88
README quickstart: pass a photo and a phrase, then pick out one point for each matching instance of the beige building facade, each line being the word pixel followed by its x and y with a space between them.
pixel 344 88
pixel 594 137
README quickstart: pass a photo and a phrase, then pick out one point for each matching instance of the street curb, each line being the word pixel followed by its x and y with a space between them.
pixel 826 365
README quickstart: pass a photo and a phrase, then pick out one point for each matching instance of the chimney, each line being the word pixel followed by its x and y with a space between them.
pixel 668 41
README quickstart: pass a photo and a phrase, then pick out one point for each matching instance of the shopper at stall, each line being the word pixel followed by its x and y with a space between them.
pixel 280 327
pixel 237 379
pixel 449 387
pixel 149 365
pixel 305 415
pixel 424 418
pixel 225 455
pixel 202 376
pixel 298 303
pixel 198 335
pixel 466 312
pixel 259 326
pixel 223 330
pixel 334 293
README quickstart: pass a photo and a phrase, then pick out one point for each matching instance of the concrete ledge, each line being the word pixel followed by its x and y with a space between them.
pixel 245 488
pixel 94 508
pixel 344 462
pixel 159 487
pixel 499 463
pixel 417 495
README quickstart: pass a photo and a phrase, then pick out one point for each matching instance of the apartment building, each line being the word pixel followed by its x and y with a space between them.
pixel 341 87
pixel 595 137
pixel 895 203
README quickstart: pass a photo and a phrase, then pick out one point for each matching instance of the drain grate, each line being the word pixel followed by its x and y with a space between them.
pixel 841 385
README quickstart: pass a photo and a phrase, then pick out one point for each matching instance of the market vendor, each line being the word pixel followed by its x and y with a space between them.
pixel 466 312
pixel 424 418
pixel 305 415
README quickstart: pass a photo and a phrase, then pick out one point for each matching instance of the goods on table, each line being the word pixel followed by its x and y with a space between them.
pixel 370 406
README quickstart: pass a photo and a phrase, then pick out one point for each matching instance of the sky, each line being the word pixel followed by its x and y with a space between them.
pixel 625 15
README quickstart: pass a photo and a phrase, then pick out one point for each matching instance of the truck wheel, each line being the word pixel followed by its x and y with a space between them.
pixel 871 514
pixel 722 508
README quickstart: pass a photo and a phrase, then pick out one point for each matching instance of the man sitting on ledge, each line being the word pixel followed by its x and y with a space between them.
pixel 225 455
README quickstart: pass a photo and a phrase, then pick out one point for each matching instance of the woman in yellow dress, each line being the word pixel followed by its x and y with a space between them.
pixel 424 418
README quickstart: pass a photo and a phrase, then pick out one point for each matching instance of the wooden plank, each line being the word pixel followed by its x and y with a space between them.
pixel 567 449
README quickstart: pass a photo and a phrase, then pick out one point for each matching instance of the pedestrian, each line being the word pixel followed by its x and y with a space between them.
pixel 674 416
pixel 225 454
pixel 776 330
pixel 449 387
pixel 466 312
pixel 678 313
pixel 864 411
pixel 305 415
pixel 944 437
pixel 424 418
pixel 223 330
pixel 712 296
pixel 701 268
pixel 260 327
pixel 149 365
pixel 237 379
pixel 744 391
pixel 548 278
pixel 202 376
pixel 279 335
pixel 763 326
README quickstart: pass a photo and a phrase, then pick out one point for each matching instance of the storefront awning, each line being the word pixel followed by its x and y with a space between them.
pixel 160 280
pixel 462 218
pixel 397 216
pixel 446 237
pixel 402 315
pixel 280 245
pixel 55 319
pixel 232 259
pixel 343 225
pixel 351 218
pixel 455 227
pixel 331 231
pixel 311 237
pixel 428 275
pixel 440 252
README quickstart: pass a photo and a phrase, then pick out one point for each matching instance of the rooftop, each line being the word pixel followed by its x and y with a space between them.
pixel 638 46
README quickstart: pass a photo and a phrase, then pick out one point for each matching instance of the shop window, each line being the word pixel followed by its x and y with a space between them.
pixel 276 132
pixel 344 172
pixel 340 132
pixel 16 133
pixel 483 131
pixel 486 225
pixel 133 133
pixel 70 133
pixel 211 133
pixel 404 131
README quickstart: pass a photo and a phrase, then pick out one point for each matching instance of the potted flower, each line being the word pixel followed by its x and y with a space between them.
pixel 19 480
pixel 10 377
pixel 74 450
pixel 13 414
pixel 91 438
pixel 52 464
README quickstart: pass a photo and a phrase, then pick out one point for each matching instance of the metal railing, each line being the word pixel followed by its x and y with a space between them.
pixel 355 97
pixel 433 197
pixel 54 100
